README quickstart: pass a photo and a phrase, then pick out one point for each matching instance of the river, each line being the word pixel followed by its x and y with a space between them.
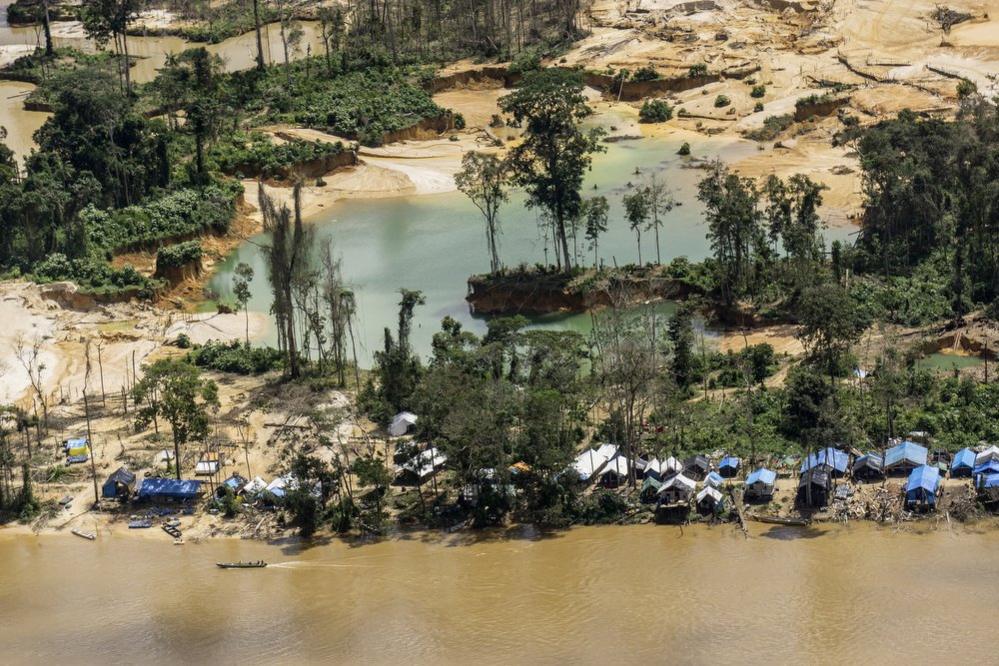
pixel 589 595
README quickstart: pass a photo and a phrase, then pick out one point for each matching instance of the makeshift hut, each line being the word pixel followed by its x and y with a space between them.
pixel 589 463
pixel 401 423
pixel 696 467
pixel 991 453
pixel 709 501
pixel 921 488
pixel 729 467
pixel 235 483
pixel 650 489
pixel 676 490
pixel 615 472
pixel 905 457
pixel 962 464
pixel 671 466
pixel 653 469
pixel 760 485
pixel 815 487
pixel 254 487
pixel 986 468
pixel 420 468
pixel 119 485
pixel 169 490
pixel 831 460
pixel 868 467
pixel 714 480
pixel 77 450
pixel 208 465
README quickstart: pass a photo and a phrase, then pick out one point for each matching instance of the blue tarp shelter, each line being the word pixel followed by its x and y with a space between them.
pixel 868 467
pixel 988 481
pixel 119 485
pixel 760 484
pixel 906 456
pixel 834 459
pixel 169 489
pixel 963 463
pixel 987 467
pixel 921 488
pixel 729 466
pixel 714 480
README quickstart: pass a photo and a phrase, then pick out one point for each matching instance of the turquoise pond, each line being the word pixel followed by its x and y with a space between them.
pixel 435 242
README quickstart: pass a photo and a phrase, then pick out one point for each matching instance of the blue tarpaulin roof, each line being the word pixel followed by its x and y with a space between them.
pixel 828 456
pixel 965 458
pixel 987 467
pixel 989 481
pixel 924 477
pixel 171 488
pixel 729 461
pixel 761 475
pixel 714 478
pixel 906 452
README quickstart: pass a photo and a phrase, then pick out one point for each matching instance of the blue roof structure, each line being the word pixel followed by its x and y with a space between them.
pixel 74 443
pixel 922 484
pixel 169 489
pixel 761 475
pixel 989 481
pixel 963 459
pixel 905 453
pixel 714 479
pixel 729 461
pixel 829 457
pixel 987 467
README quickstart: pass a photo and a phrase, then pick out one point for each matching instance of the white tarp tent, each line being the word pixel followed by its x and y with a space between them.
pixel 708 491
pixel 401 423
pixel 654 466
pixel 590 462
pixel 991 453
pixel 424 464
pixel 206 467
pixel 255 486
pixel 671 464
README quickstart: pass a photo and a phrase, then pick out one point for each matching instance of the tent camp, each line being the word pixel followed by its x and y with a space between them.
pixel 832 460
pixel 696 467
pixel 709 500
pixel 589 463
pixel 963 463
pixel 77 450
pixel 177 490
pixel 615 472
pixel 650 488
pixel 420 468
pixel 868 467
pixel 235 483
pixel 905 457
pixel 119 485
pixel 653 469
pixel 991 453
pixel 714 480
pixel 921 488
pixel 254 487
pixel 986 468
pixel 815 487
pixel 401 423
pixel 729 467
pixel 208 465
pixel 760 485
pixel 671 466
pixel 676 489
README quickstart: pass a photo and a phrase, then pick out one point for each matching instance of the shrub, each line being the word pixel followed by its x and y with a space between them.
pixel 235 357
pixel 655 111
pixel 645 74
pixel 758 91
pixel 700 69
pixel 459 121
pixel 966 88
pixel 758 107
pixel 684 149
pixel 175 256
pixel 772 126
pixel 722 101
pixel 526 61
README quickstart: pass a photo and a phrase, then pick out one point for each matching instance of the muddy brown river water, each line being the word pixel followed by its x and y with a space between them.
pixel 590 595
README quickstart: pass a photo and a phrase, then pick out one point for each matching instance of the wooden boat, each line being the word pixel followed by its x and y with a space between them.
pixel 776 520
pixel 89 536
pixel 140 524
pixel 259 564
pixel 172 531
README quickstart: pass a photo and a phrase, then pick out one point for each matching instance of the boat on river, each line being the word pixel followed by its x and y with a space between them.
pixel 89 536
pixel 171 530
pixel 259 564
